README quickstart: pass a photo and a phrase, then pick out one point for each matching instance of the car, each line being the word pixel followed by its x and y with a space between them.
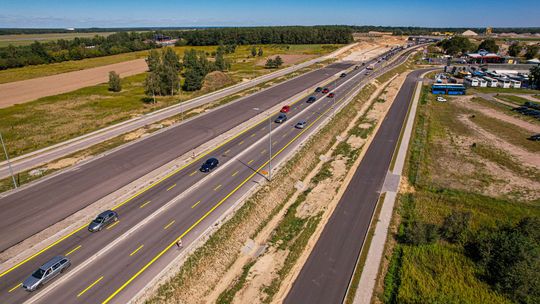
pixel 281 118
pixel 311 99
pixel 366 73
pixel 285 109
pixel 209 164
pixel 441 99
pixel 520 108
pixel 535 137
pixel 46 272
pixel 363 63
pixel 301 124
pixel 325 90
pixel 331 95
pixel 103 220
pixel 357 67
pixel 342 75
pixel 318 89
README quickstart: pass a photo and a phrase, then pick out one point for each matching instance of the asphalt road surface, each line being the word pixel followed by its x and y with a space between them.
pixel 325 276
pixel 113 264
pixel 35 208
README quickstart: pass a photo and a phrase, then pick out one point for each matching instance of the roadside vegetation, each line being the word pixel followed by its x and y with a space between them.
pixel 31 126
pixel 466 229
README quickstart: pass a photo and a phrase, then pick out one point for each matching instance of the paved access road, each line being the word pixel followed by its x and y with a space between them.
pixel 327 272
pixel 35 208
pixel 132 260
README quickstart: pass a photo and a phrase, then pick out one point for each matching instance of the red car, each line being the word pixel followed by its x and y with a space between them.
pixel 285 109
pixel 331 95
pixel 325 90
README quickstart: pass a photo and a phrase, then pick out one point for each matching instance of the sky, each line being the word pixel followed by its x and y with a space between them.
pixel 163 13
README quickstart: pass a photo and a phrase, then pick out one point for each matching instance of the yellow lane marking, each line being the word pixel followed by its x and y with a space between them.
pixel 274 143
pixel 195 205
pixel 171 187
pixel 234 174
pixel 217 187
pixel 73 250
pixel 12 289
pixel 154 259
pixel 91 285
pixel 282 136
pixel 142 206
pixel 114 224
pixel 227 152
pixel 168 225
pixel 135 251
pixel 193 173
pixel 263 151
pixel 249 162
pixel 240 143
pixel 253 135
pixel 137 194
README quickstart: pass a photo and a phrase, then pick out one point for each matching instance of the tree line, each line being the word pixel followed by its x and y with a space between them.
pixel 123 42
pixel 461 45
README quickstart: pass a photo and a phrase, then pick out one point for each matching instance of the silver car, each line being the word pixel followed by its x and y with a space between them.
pixel 301 124
pixel 103 220
pixel 46 272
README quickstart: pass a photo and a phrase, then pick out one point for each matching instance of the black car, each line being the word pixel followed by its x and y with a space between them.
pixel 209 164
pixel 357 67
pixel 342 75
pixel 311 99
pixel 103 220
pixel 281 118
pixel 535 137
pixel 318 89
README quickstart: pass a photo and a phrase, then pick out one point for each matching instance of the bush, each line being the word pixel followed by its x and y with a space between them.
pixel 455 226
pixel 114 82
pixel 419 233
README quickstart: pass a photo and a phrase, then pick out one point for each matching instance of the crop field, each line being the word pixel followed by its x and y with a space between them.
pixel 27 39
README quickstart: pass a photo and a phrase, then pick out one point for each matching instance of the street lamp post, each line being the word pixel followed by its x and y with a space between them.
pixel 8 162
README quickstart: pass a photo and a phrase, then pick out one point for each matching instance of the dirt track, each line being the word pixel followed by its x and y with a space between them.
pixel 31 89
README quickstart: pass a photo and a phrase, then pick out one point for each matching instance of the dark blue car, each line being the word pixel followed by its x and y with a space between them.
pixel 209 164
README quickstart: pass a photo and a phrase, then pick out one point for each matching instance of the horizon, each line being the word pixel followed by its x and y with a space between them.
pixel 212 13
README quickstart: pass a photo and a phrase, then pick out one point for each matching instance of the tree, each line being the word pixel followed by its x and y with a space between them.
pixel 220 62
pixel 253 51
pixel 270 63
pixel 170 59
pixel 260 53
pixel 535 76
pixel 193 80
pixel 152 85
pixel 532 51
pixel 515 49
pixel 489 45
pixel 419 233
pixel 153 60
pixel 278 61
pixel 455 226
pixel 114 82
pixel 456 45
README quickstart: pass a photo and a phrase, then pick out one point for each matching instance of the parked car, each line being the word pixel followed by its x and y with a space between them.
pixel 103 220
pixel 331 95
pixel 301 124
pixel 285 109
pixel 209 164
pixel 520 108
pixel 318 89
pixel 281 118
pixel 311 99
pixel 535 137
pixel 343 75
pixel 325 90
pixel 46 272
pixel 441 99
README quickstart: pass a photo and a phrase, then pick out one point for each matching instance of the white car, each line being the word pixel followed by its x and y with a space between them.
pixel 441 99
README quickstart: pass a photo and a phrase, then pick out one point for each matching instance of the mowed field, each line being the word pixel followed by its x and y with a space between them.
pixel 27 39
pixel 33 125
pixel 467 156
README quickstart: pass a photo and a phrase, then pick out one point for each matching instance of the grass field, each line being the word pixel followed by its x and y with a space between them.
pixel 30 126
pixel 27 39
pixel 243 63
pixel 502 91
pixel 444 179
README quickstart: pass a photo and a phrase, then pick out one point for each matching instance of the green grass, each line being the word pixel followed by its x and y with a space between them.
pixel 512 98
pixel 501 90
pixel 242 63
pixel 227 296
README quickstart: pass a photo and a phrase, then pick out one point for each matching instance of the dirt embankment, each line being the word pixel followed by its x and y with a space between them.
pixel 288 59
pixel 31 89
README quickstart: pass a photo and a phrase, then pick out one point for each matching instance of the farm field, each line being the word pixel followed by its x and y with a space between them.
pixel 27 39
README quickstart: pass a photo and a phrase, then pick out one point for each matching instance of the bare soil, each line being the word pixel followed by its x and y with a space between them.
pixel 32 89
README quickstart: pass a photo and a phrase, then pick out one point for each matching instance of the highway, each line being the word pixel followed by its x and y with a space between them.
pixel 34 208
pixel 325 276
pixel 112 265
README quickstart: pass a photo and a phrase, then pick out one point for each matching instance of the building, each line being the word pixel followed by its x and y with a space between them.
pixel 469 33
pixel 484 57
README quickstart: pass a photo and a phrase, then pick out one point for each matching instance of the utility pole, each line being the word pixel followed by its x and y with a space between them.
pixel 270 149
pixel 8 162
